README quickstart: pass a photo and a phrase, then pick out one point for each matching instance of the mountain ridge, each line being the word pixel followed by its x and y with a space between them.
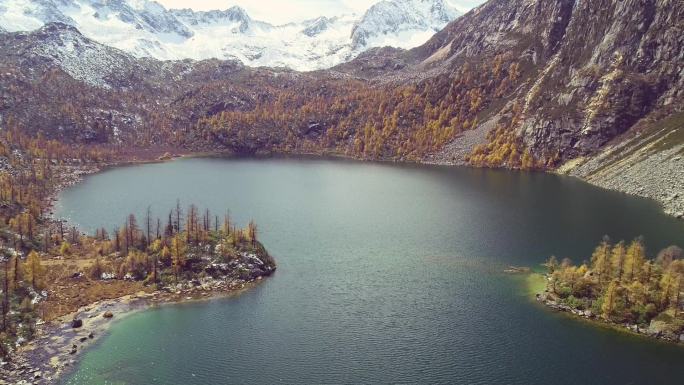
pixel 147 29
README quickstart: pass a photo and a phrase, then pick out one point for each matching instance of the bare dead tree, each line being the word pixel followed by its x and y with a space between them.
pixel 179 214
pixel 148 224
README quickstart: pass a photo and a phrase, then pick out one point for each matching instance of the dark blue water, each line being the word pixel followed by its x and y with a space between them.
pixel 387 274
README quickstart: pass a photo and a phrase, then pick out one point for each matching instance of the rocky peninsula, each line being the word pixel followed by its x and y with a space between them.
pixel 58 343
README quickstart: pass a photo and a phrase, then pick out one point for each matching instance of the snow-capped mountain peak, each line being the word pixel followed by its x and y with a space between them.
pixel 234 14
pixel 145 28
pixel 317 26
pixel 391 18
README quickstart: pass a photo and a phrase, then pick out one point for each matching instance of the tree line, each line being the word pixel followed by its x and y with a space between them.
pixel 158 243
pixel 355 119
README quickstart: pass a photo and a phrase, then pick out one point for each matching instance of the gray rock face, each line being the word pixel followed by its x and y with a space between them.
pixel 611 73
pixel 595 68
pixel 317 26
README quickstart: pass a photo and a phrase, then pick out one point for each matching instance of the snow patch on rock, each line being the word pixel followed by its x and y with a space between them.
pixel 80 57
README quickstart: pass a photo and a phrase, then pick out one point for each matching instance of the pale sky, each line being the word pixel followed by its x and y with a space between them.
pixel 283 11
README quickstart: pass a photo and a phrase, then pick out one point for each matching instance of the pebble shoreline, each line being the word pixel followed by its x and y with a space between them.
pixel 58 345
pixel 651 332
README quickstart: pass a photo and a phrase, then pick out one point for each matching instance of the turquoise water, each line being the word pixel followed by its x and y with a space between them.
pixel 386 274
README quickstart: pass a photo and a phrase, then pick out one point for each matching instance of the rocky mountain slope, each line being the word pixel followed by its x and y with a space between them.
pixel 147 29
pixel 601 81
pixel 591 70
pixel 593 89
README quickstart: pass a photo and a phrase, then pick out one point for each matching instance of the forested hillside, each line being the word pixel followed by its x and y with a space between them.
pixel 544 84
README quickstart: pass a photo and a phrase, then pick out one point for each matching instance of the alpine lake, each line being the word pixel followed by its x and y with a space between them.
pixel 386 273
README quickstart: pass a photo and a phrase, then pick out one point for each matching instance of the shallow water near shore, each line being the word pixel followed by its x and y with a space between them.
pixel 386 274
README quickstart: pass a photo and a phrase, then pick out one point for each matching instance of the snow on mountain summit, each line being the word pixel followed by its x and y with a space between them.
pixel 234 15
pixel 391 18
pixel 145 28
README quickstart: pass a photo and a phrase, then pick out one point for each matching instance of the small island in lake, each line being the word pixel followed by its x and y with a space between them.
pixel 622 287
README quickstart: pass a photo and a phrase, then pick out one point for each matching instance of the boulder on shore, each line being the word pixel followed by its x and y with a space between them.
pixel 76 323
pixel 108 314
